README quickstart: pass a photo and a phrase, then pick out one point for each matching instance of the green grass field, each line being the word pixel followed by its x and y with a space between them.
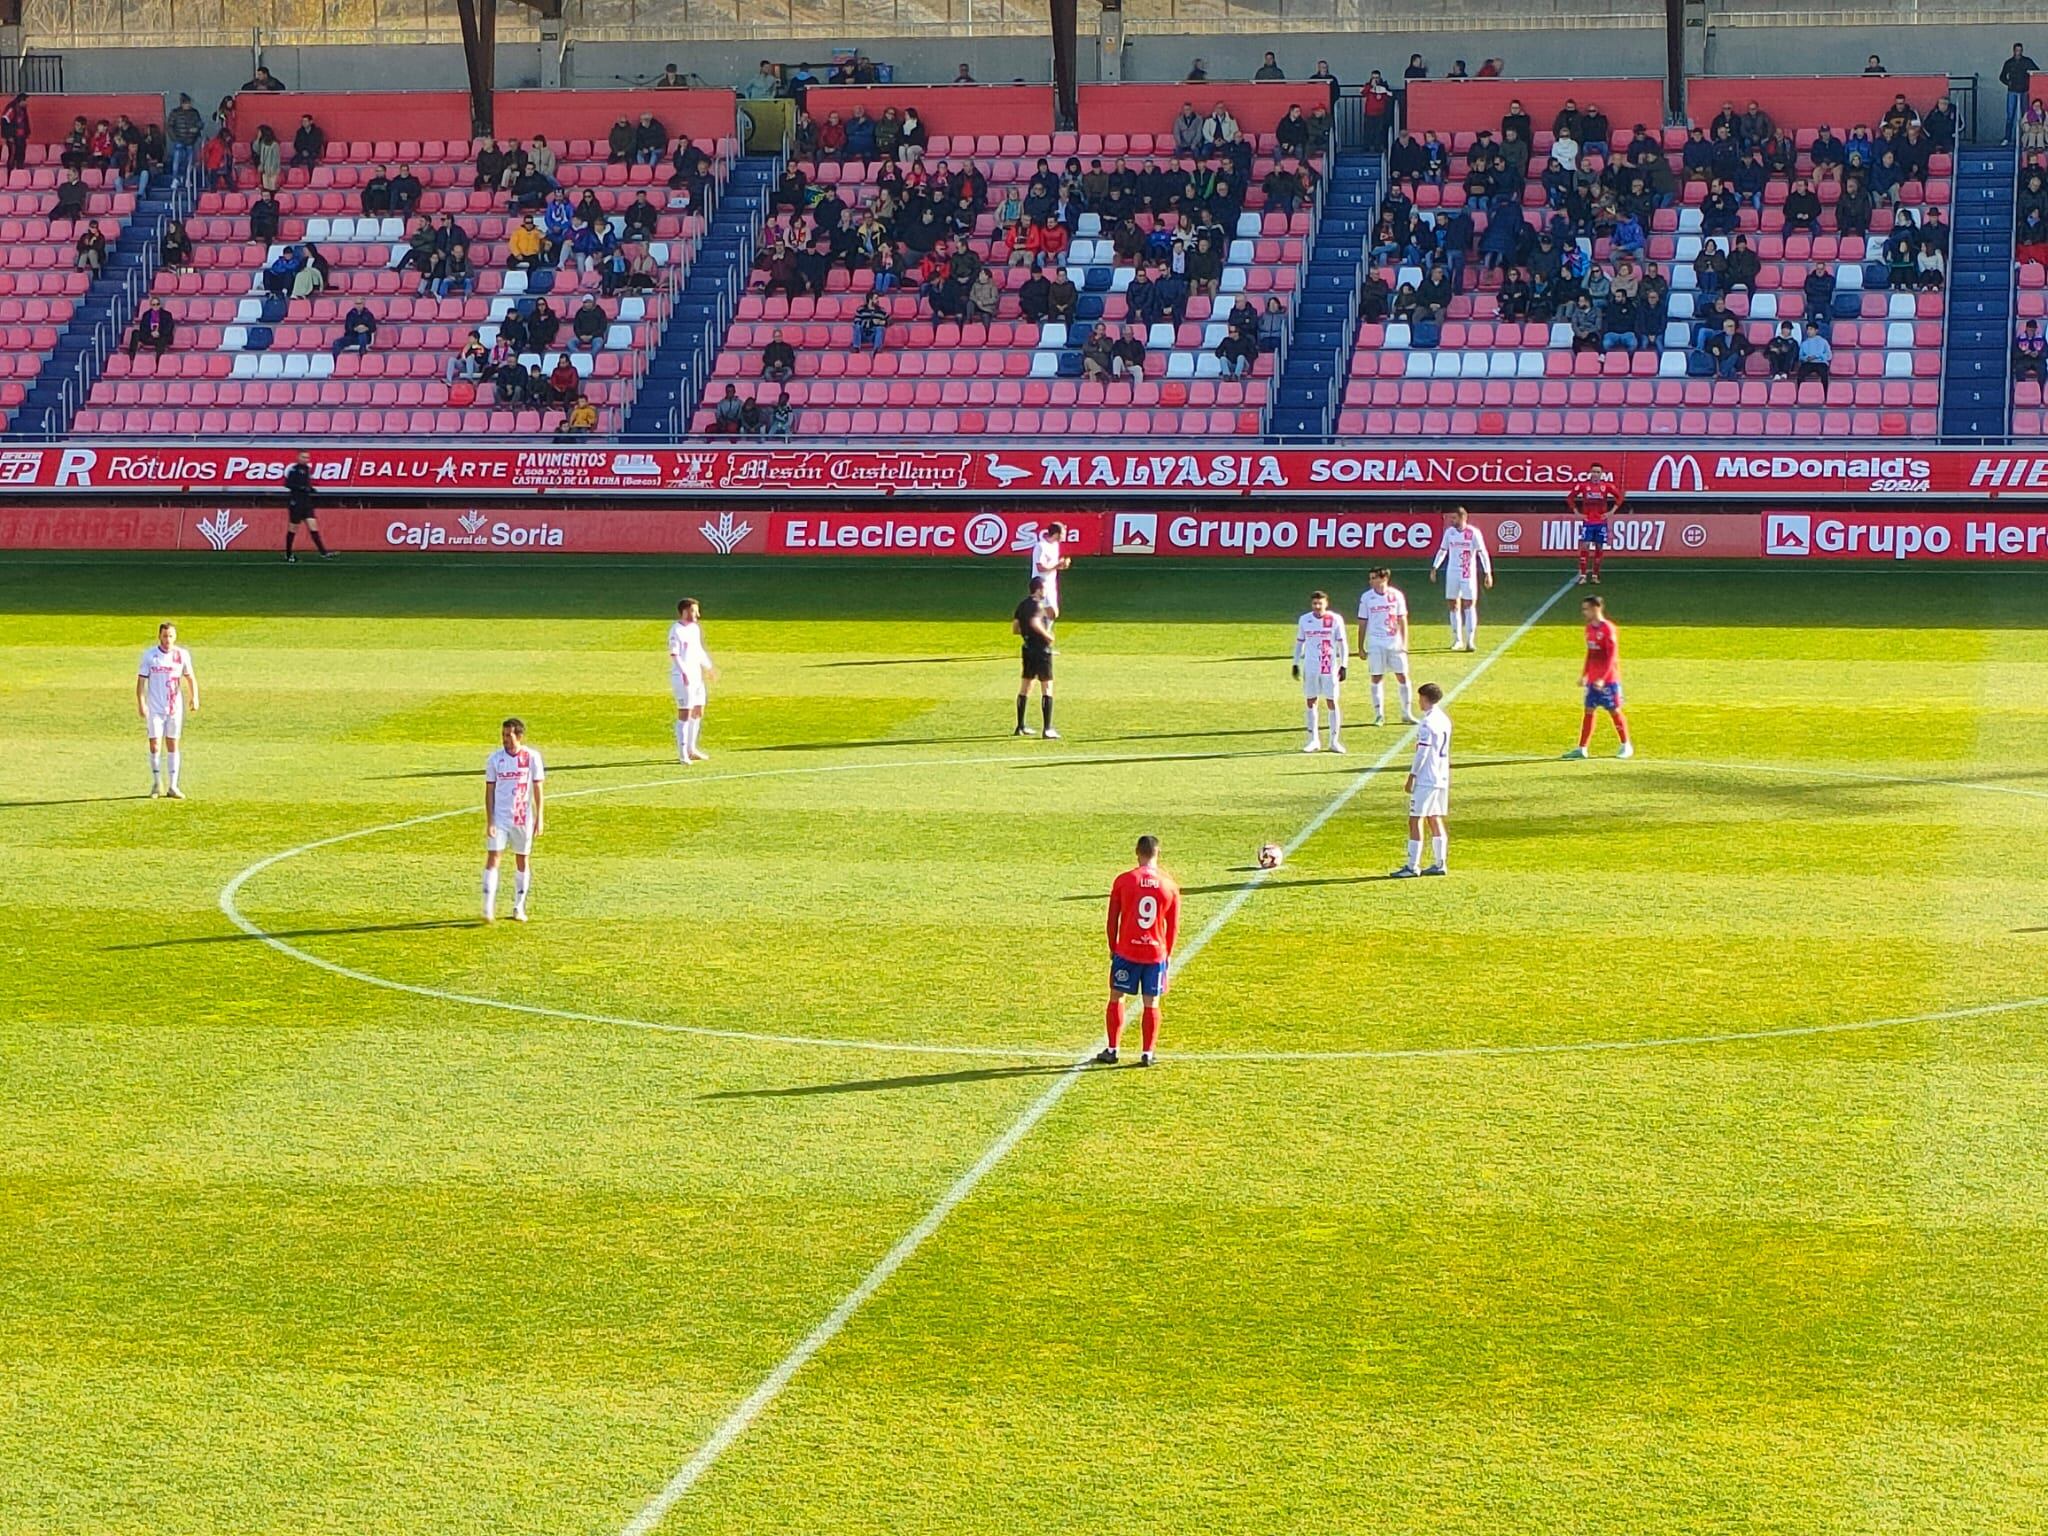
pixel 289 1250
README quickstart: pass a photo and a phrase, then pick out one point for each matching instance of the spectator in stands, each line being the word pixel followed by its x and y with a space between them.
pixel 492 164
pixel 580 420
pixel 778 358
pixel 557 226
pixel 2031 244
pixel 620 143
pixel 309 144
pixel 1407 162
pixel 782 419
pixel 1826 152
pixel 1512 302
pixel 1781 353
pixel 1187 132
pixel 1376 105
pixel 72 196
pixel 1203 267
pixel 14 130
pixel 1219 131
pixel 1726 348
pixel 1290 134
pixel 1270 69
pixel 1587 324
pixel 542 326
pixel 1933 265
pixel 1914 152
pixel 1062 298
pixel 1097 355
pixel 1802 208
pixel 1127 356
pixel 263 80
pixel 593 244
pixel 1416 70
pixel 1622 321
pixel 508 382
pixel 1885 178
pixel 1856 149
pixel 984 298
pixel 2029 353
pixel 650 140
pixel 2016 74
pixel 1853 207
pixel 1405 304
pixel 174 249
pixel 1901 253
pixel 1433 294
pixel 183 129
pixel 1752 175
pixel 1819 288
pixel 470 360
pixel 765 84
pixel 525 247
pixel 2033 193
pixel 871 324
pixel 267 155
pixel 1170 296
pixel 1720 210
pixel 358 330
pixel 642 218
pixel 1742 268
pixel 1875 66
pixel 375 196
pixel 420 248
pixel 860 136
pixel 564 383
pixel 1698 155
pixel 403 193
pixel 1815 355
pixel 263 218
pixel 154 328
pixel 1239 349
pixel 1940 126
pixel 1272 325
pixel 91 248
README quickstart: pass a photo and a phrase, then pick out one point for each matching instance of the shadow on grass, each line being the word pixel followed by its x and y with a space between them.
pixel 888 1084
pixel 29 805
pixel 300 933
pixel 904 661
pixel 553 768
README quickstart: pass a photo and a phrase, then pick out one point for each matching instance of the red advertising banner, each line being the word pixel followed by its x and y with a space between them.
pixel 1731 472
pixel 568 529
pixel 1988 535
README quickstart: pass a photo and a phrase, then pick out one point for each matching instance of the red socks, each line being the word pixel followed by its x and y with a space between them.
pixel 1149 1021
pixel 1113 1022
pixel 1586 731
pixel 1582 562
pixel 1597 555
pixel 1621 727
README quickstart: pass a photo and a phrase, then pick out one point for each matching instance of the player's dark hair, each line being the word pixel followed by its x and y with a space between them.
pixel 1148 847
pixel 1057 530
pixel 1381 571
pixel 1592 602
pixel 686 602
pixel 1038 584
pixel 1429 693
pixel 1323 595
pixel 515 725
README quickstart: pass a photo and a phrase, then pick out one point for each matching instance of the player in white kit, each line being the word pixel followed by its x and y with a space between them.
pixel 1429 788
pixel 1461 555
pixel 513 776
pixel 1322 660
pixel 1383 632
pixel 165 687
pixel 1047 562
pixel 689 666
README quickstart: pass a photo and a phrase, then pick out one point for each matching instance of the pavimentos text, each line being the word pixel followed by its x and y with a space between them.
pixel 1730 472
pixel 560 528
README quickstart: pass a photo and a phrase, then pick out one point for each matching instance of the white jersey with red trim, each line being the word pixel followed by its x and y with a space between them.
pixel 163 673
pixel 1380 612
pixel 511 777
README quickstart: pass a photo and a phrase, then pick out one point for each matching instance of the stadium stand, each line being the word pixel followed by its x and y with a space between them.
pixel 1020 369
pixel 1479 366
pixel 252 358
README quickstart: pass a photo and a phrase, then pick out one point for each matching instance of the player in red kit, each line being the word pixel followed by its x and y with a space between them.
pixel 1144 920
pixel 1602 678
pixel 1593 501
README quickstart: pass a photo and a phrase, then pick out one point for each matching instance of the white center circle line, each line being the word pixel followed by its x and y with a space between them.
pixel 231 909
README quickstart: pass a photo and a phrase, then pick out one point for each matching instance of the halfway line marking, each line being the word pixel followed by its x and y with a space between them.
pixel 772 1385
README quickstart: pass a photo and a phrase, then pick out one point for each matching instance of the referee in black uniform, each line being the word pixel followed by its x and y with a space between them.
pixel 298 502
pixel 1030 622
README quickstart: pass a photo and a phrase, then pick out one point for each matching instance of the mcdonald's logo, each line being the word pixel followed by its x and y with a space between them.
pixel 1677 472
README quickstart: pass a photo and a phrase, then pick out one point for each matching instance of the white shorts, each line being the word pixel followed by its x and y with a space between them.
pixel 1052 593
pixel 1319 685
pixel 1461 587
pixel 1382 659
pixel 1430 800
pixel 169 727
pixel 519 839
pixel 690 692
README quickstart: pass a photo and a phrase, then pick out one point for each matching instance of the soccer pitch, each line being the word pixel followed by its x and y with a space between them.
pixel 1675 1166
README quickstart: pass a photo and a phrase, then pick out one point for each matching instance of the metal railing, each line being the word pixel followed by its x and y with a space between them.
pixel 40 74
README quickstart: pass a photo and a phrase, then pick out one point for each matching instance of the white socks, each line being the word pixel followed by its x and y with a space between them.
pixel 1313 736
pixel 1465 625
pixel 491 892
pixel 687 731
pixel 1471 612
pixel 1439 847
pixel 155 765
pixel 1415 853
pixel 1336 723
pixel 683 740
pixel 1379 700
pixel 171 759
pixel 523 879
pixel 1407 704
pixel 1457 627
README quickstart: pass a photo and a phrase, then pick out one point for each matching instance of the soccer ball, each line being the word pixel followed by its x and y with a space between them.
pixel 1270 856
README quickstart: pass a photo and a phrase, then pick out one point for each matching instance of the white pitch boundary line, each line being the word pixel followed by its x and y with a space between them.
pixel 772 1385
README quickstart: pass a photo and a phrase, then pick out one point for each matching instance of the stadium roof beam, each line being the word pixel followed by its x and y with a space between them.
pixel 480 53
pixel 1065 27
